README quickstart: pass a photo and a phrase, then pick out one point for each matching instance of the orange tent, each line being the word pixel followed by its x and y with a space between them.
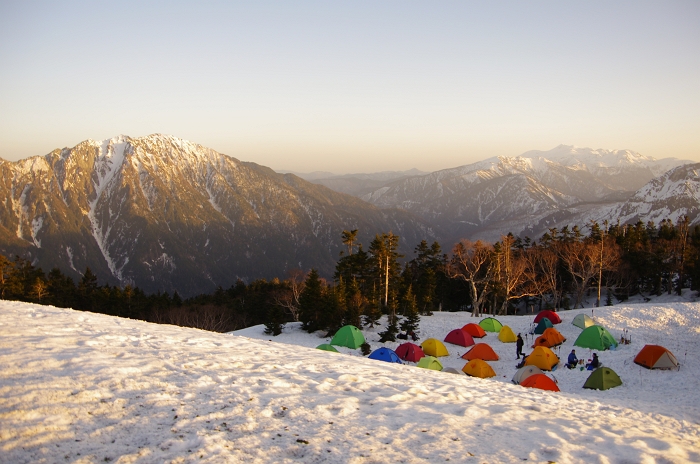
pixel 543 358
pixel 478 368
pixel 549 338
pixel 656 357
pixel 540 381
pixel 481 351
pixel 474 330
pixel 459 337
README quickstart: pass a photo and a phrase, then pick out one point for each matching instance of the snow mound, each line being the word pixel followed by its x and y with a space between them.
pixel 82 387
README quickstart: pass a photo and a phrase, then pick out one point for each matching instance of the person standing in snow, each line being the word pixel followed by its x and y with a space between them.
pixel 519 347
pixel 573 360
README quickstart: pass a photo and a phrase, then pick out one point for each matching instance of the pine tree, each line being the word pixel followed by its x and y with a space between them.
pixel 355 304
pixel 411 318
pixel 372 313
pixel 275 319
pixel 335 310
pixel 392 328
pixel 311 303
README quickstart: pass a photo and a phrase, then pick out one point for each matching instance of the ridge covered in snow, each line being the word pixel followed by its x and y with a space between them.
pixel 83 387
pixel 169 215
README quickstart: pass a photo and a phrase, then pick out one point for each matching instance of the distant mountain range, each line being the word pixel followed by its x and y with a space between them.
pixel 529 193
pixel 170 215
pixel 357 184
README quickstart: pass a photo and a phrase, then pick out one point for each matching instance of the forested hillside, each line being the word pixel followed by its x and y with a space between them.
pixel 562 269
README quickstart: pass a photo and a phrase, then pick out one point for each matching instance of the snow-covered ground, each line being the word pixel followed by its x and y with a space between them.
pixel 83 387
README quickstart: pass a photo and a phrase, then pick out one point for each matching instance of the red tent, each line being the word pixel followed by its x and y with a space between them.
pixel 409 352
pixel 540 381
pixel 481 351
pixel 475 330
pixel 459 337
pixel 551 315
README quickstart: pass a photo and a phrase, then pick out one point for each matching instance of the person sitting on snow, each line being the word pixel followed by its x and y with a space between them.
pixel 573 360
pixel 595 362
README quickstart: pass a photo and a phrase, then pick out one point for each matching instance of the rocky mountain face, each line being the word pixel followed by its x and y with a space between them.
pixel 165 214
pixel 524 194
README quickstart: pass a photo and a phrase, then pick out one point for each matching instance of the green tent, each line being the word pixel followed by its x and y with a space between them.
pixel 602 379
pixel 430 362
pixel 583 321
pixel 349 336
pixel 543 325
pixel 491 325
pixel 326 347
pixel 596 338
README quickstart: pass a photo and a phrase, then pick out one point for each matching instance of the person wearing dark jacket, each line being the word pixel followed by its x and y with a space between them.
pixel 519 347
pixel 594 364
pixel 573 360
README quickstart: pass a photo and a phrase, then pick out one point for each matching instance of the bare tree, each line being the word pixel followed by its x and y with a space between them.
pixel 471 262
pixel 516 277
pixel 544 265
pixel 289 298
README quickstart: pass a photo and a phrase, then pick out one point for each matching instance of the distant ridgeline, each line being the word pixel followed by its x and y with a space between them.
pixel 563 269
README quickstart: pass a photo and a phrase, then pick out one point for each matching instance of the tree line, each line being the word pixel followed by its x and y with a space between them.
pixel 561 269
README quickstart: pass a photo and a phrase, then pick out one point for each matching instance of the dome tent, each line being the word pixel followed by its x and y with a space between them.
pixel 459 337
pixel 583 321
pixel 452 370
pixel 540 381
pixel 434 347
pixel 430 362
pixel 525 372
pixel 542 357
pixel 349 336
pixel 596 338
pixel 656 357
pixel 549 338
pixel 506 335
pixel 543 325
pixel 602 379
pixel 326 347
pixel 385 354
pixel 474 330
pixel 551 315
pixel 409 352
pixel 481 351
pixel 490 324
pixel 479 368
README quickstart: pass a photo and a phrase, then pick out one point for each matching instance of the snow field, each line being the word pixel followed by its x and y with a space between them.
pixel 81 387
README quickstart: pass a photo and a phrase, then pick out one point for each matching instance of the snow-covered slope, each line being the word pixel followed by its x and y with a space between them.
pixel 81 387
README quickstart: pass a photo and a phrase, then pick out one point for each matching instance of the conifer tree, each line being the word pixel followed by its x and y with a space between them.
pixel 411 318
pixel 311 303
pixel 392 328
pixel 355 304
pixel 334 309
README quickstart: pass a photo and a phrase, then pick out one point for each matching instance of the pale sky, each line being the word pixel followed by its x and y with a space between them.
pixel 358 86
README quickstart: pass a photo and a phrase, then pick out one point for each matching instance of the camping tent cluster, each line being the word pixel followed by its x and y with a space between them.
pixel 532 374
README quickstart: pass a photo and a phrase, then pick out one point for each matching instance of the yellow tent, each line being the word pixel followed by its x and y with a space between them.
pixel 506 335
pixel 429 362
pixel 542 357
pixel 434 347
pixel 478 368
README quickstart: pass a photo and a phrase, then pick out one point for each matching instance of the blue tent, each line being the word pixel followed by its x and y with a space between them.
pixel 385 354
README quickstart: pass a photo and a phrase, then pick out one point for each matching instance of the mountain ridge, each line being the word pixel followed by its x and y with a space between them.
pixel 170 215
